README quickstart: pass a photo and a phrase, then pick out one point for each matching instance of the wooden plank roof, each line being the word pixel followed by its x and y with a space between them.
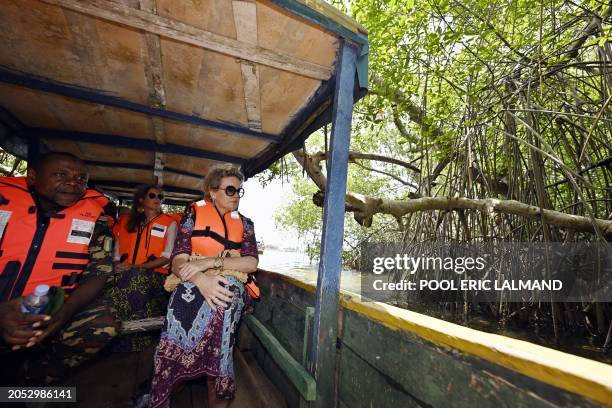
pixel 159 90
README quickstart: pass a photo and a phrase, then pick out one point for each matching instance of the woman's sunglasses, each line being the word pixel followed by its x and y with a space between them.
pixel 153 195
pixel 231 190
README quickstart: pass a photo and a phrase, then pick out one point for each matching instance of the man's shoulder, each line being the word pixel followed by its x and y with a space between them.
pixel 14 181
pixel 14 193
pixel 14 184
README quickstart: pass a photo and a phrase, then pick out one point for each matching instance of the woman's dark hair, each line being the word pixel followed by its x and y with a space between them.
pixel 137 216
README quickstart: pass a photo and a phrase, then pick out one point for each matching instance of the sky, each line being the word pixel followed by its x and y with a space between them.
pixel 260 204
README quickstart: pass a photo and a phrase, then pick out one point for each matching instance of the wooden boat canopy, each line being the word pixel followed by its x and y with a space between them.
pixel 157 91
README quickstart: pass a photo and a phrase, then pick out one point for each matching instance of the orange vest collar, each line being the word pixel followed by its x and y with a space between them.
pixel 22 183
pixel 151 242
pixel 212 233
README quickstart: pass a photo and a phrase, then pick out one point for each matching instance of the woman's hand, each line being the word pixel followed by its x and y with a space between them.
pixel 189 270
pixel 215 294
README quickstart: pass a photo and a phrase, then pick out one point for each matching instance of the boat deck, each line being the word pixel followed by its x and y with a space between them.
pixel 112 380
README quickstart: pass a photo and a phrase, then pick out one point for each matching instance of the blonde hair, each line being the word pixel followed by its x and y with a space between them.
pixel 217 173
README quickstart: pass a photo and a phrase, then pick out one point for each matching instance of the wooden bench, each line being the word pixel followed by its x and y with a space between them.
pixel 294 371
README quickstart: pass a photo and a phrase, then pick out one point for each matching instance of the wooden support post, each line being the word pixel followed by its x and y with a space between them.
pixel 157 93
pixel 158 170
pixel 33 150
pixel 308 315
pixel 245 21
pixel 323 351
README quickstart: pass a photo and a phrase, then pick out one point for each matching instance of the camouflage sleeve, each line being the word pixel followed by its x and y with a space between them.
pixel 100 251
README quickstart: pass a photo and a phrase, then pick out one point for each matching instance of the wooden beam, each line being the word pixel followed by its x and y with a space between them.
pixel 48 85
pixel 155 81
pixel 138 166
pixel 323 353
pixel 327 12
pixel 326 16
pixel 185 33
pixel 310 118
pixel 587 378
pixel 131 143
pixel 129 192
pixel 158 171
pixel 83 37
pixel 11 121
pixel 33 151
pixel 245 21
pixel 153 61
pixel 112 184
pixel 293 370
pixel 167 195
pixel 308 316
pixel 126 192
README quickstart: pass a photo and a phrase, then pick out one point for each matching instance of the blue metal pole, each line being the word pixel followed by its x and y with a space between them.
pixel 323 350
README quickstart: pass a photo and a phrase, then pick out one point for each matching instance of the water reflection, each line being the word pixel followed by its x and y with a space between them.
pixel 297 265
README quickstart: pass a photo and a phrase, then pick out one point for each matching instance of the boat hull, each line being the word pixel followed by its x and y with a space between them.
pixel 389 357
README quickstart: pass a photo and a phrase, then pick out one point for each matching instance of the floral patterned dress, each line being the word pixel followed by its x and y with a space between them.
pixel 196 340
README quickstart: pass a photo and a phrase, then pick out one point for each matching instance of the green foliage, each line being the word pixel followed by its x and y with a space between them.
pixel 11 165
pixel 302 216
pixel 487 88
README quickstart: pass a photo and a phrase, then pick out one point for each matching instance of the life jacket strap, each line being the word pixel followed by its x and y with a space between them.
pixel 227 244
pixel 8 278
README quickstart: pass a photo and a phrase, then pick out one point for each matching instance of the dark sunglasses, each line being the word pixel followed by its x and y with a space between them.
pixel 231 190
pixel 153 195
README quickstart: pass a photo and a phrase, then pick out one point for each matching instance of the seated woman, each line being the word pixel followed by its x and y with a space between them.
pixel 204 310
pixel 143 245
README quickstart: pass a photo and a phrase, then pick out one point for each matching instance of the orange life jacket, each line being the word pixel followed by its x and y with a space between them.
pixel 146 243
pixel 54 252
pixel 119 225
pixel 177 217
pixel 212 233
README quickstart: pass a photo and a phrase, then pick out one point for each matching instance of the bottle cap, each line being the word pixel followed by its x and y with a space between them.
pixel 41 290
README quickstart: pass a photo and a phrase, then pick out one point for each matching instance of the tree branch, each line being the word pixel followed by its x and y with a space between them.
pixel 605 162
pixel 400 126
pixel 589 30
pixel 364 208
pixel 320 156
pixel 415 113
pixel 404 182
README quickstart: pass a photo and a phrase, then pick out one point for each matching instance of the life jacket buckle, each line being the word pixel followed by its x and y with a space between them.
pixel 72 279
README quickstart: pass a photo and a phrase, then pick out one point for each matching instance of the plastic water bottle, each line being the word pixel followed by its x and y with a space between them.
pixel 37 301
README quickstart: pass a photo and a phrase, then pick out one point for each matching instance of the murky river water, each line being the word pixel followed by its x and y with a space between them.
pixel 298 265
